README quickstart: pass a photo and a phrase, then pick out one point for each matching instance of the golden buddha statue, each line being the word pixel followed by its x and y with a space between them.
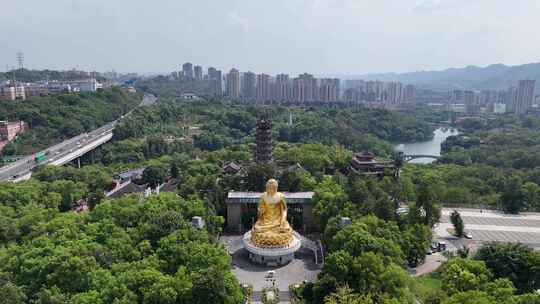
pixel 272 228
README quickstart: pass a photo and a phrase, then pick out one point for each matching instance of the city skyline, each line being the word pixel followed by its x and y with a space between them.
pixel 330 37
pixel 250 87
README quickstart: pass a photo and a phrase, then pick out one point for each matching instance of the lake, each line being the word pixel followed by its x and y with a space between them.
pixel 430 147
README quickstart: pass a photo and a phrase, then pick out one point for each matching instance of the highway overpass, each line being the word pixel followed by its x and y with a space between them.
pixel 63 152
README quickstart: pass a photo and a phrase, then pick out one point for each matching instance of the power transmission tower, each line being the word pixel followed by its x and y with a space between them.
pixel 20 60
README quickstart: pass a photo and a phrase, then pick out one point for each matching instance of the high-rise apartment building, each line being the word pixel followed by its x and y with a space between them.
pixel 263 87
pixel 501 97
pixel 511 99
pixel 352 95
pixel 233 84
pixel 215 78
pixel 187 70
pixel 299 94
pixel 282 88
pixel 472 105
pixel 198 73
pixel 394 92
pixel 374 90
pixel 305 88
pixel 468 97
pixel 409 93
pixel 329 90
pixel 249 82
pixel 525 96
pixel 457 96
pixel 488 97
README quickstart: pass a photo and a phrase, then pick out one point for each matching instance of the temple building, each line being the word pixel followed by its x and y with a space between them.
pixel 365 163
pixel 231 168
pixel 242 210
pixel 263 137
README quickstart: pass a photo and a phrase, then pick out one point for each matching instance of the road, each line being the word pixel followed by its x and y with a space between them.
pixel 65 151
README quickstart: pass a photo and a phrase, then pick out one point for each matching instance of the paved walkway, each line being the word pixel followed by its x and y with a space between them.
pixel 302 268
pixel 284 297
pixel 431 264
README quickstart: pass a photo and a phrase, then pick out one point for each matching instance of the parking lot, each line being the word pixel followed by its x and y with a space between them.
pixel 486 226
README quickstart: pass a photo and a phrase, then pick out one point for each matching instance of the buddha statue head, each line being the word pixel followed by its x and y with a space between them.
pixel 271 187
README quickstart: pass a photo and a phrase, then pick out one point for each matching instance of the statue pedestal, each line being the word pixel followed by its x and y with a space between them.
pixel 270 256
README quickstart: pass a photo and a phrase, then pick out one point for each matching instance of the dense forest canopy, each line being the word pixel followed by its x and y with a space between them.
pixel 225 123
pixel 25 75
pixel 123 251
pixel 506 142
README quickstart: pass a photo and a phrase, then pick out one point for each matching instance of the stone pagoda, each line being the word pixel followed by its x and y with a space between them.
pixel 263 138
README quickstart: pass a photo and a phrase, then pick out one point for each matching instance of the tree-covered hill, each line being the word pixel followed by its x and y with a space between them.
pixel 56 117
pixel 505 142
pixel 26 75
pixel 491 77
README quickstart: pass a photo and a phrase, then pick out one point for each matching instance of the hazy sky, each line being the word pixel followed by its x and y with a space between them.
pixel 317 36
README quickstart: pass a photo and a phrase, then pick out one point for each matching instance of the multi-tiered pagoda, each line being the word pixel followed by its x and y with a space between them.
pixel 263 137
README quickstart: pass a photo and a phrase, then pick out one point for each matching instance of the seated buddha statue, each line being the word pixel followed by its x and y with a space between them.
pixel 272 228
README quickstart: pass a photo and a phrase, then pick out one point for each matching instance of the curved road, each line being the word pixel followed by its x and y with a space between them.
pixel 65 151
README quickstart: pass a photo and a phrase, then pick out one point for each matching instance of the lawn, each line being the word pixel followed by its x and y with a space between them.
pixel 427 287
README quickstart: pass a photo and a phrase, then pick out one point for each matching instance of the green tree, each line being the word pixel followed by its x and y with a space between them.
pixel 345 295
pixel 470 297
pixel 531 195
pixel 11 294
pixel 514 261
pixel 154 175
pixel 457 222
pixel 330 199
pixel 512 197
pixel 459 275
pixel 415 242
pixel 214 285
pixel 428 208
pixel 174 170
pixel 357 239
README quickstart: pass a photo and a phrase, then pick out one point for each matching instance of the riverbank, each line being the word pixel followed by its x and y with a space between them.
pixel 430 147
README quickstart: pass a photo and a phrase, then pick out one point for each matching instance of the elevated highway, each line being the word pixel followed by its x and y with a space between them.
pixel 63 152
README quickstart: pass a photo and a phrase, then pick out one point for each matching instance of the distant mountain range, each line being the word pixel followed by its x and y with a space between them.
pixel 492 77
